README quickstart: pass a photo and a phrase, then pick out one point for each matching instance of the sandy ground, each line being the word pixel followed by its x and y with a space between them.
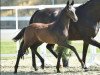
pixel 25 68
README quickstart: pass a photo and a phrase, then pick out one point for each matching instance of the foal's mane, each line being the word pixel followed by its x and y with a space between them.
pixel 61 13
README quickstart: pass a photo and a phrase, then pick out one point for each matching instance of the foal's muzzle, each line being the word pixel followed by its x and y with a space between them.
pixel 75 19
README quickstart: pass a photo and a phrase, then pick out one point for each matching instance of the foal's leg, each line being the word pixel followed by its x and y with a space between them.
pixel 50 48
pixel 85 48
pixel 58 61
pixel 73 49
pixel 21 52
pixel 18 57
pixel 41 59
pixel 33 58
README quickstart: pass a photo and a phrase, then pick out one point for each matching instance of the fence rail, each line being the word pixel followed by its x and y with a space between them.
pixel 35 7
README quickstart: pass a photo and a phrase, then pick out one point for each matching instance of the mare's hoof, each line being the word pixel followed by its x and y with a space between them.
pixel 58 71
pixel 36 69
pixel 86 69
pixel 65 63
pixel 42 66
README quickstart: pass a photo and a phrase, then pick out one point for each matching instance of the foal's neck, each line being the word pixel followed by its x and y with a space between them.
pixel 63 21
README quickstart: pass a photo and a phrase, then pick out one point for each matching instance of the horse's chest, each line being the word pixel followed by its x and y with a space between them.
pixel 65 33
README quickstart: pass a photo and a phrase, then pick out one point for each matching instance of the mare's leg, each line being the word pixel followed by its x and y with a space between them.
pixel 85 48
pixel 93 42
pixel 18 57
pixel 41 59
pixel 34 51
pixel 89 39
pixel 50 48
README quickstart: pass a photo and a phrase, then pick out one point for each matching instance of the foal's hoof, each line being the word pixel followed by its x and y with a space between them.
pixel 15 72
pixel 58 71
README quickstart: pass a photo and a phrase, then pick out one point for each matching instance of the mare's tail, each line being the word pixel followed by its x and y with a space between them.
pixel 19 35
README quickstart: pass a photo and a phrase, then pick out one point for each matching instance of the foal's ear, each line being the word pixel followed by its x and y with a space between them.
pixel 68 3
pixel 72 2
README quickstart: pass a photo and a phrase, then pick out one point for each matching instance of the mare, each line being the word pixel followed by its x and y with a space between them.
pixel 53 33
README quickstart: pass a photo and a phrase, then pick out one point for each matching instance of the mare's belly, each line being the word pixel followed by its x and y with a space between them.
pixel 73 34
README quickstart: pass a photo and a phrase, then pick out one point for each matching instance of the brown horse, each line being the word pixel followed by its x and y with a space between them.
pixel 53 33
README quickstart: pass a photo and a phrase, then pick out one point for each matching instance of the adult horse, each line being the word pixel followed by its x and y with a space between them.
pixel 53 33
pixel 85 29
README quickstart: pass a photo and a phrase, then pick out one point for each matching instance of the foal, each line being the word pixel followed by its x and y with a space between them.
pixel 53 33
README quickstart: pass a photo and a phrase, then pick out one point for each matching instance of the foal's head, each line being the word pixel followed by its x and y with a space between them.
pixel 70 10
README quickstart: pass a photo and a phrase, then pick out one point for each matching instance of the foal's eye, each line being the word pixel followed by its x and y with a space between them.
pixel 68 9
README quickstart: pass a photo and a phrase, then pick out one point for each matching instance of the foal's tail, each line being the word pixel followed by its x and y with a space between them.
pixel 19 35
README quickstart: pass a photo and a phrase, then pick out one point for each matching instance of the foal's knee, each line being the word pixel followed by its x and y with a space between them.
pixel 20 54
